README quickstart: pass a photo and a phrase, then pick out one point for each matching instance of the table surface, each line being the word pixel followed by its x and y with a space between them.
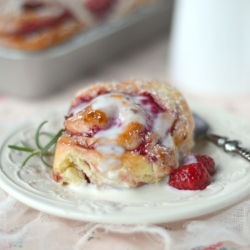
pixel 22 227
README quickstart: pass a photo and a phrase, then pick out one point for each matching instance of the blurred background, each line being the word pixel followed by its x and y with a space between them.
pixel 51 48
pixel 48 46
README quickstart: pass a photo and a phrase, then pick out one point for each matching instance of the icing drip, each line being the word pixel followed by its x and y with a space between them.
pixel 82 14
pixel 151 122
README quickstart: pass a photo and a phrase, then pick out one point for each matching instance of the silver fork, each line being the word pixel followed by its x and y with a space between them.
pixel 231 146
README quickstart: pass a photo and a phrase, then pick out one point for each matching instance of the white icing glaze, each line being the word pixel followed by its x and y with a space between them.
pixel 78 108
pixel 110 149
pixel 111 156
pixel 189 159
pixel 122 110
pixel 77 8
pixel 113 174
pixel 161 126
pixel 51 11
pixel 107 163
pixel 167 141
pixel 11 10
pixel 14 8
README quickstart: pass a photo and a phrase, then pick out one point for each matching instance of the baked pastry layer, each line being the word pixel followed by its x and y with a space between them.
pixel 123 134
pixel 34 25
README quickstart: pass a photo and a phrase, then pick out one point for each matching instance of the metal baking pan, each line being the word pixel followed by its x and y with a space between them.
pixel 35 74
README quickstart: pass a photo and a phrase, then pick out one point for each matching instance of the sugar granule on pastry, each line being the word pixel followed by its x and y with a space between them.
pixel 123 134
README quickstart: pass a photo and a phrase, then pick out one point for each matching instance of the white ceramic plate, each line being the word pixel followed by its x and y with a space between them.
pixel 33 184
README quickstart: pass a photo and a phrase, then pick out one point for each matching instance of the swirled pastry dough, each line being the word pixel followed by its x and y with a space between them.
pixel 124 134
pixel 34 25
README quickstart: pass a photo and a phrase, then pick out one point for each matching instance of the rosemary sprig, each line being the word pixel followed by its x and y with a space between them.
pixel 41 151
pixel 37 137
pixel 25 149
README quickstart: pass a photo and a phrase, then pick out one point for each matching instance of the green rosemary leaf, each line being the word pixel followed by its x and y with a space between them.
pixel 44 162
pixel 25 149
pixel 29 157
pixel 52 142
pixel 49 153
pixel 48 146
pixel 37 136
pixel 50 135
pixel 41 151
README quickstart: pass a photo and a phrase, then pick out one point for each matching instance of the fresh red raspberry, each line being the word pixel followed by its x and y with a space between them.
pixel 206 160
pixel 99 7
pixel 190 177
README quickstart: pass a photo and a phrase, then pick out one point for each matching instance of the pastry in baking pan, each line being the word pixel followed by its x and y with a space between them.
pixel 38 24
pixel 34 25
pixel 123 134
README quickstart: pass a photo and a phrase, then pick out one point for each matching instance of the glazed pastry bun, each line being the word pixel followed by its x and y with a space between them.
pixel 34 25
pixel 123 134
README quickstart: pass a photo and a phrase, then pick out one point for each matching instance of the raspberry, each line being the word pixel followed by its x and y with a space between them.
pixel 206 160
pixel 193 176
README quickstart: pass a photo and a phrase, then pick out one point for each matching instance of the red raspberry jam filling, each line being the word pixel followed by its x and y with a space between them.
pixel 57 177
pixel 142 149
pixel 155 108
pixel 99 7
pixel 31 6
pixel 35 25
pixel 142 106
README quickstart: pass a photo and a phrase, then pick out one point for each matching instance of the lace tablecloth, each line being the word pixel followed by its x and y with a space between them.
pixel 22 227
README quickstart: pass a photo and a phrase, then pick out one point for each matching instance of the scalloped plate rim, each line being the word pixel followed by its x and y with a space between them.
pixel 34 201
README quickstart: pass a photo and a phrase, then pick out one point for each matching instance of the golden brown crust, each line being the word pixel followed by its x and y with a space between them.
pixel 132 168
pixel 11 24
pixel 164 93
pixel 37 28
pixel 47 38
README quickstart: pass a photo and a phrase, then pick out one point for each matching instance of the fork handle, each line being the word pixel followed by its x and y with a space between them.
pixel 231 146
pixel 243 152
